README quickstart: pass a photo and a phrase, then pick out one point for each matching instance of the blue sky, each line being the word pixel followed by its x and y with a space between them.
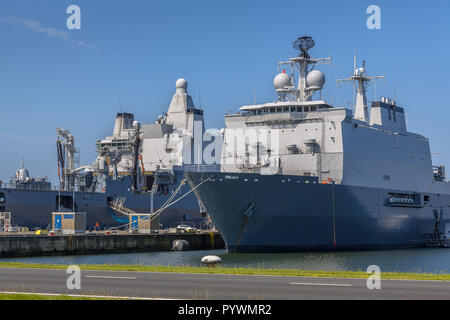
pixel 51 76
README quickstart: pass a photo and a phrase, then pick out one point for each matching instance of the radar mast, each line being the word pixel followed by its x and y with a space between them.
pixel 361 81
pixel 302 63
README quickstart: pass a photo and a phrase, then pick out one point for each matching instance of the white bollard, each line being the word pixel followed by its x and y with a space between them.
pixel 211 261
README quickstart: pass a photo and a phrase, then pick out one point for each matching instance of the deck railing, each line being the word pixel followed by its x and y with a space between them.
pixel 201 168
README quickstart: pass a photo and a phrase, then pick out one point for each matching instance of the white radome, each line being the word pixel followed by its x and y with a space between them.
pixel 281 81
pixel 181 84
pixel 315 79
pixel 361 72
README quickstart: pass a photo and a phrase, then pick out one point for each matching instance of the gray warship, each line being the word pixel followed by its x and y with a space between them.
pixel 135 166
pixel 310 176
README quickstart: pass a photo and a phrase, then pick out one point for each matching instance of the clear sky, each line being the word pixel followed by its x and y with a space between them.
pixel 51 76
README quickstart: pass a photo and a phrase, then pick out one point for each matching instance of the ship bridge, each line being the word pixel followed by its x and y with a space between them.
pixel 285 106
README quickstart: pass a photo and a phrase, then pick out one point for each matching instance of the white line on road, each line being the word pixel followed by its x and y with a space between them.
pixel 220 274
pixel 111 277
pixel 82 296
pixel 321 284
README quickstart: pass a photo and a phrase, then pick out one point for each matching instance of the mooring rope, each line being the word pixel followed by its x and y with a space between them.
pixel 168 204
pixel 159 211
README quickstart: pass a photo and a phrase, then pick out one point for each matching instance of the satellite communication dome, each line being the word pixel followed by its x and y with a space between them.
pixel 315 79
pixel 181 84
pixel 281 81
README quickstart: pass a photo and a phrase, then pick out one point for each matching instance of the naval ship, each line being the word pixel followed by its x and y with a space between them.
pixel 299 174
pixel 136 170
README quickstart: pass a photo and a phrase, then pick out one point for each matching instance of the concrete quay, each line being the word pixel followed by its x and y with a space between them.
pixel 91 243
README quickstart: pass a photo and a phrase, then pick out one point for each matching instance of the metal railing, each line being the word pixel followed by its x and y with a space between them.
pixel 15 186
pixel 201 168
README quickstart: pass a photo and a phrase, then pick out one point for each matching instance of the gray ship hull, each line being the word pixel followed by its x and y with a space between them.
pixel 33 208
pixel 256 213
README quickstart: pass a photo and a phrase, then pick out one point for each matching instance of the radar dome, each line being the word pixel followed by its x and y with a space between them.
pixel 181 84
pixel 361 72
pixel 281 81
pixel 315 79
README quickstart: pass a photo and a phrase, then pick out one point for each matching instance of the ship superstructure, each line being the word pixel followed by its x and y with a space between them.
pixel 176 139
pixel 300 174
pixel 138 166
pixel 23 181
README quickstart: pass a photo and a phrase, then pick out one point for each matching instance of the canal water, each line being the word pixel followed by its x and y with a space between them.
pixel 426 260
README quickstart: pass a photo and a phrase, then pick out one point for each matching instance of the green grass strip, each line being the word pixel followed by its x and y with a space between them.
pixel 238 271
pixel 18 296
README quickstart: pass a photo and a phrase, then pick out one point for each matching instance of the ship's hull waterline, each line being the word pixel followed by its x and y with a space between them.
pixel 33 208
pixel 291 214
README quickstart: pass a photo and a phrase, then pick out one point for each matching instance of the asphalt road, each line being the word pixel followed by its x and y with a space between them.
pixel 217 287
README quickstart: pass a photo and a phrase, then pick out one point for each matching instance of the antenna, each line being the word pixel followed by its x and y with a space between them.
pixel 73 197
pixel 376 98
pixel 407 121
pixel 120 103
pixel 304 44
pixel 199 96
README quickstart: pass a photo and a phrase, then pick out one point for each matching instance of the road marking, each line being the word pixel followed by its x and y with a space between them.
pixel 321 284
pixel 219 274
pixel 84 296
pixel 111 277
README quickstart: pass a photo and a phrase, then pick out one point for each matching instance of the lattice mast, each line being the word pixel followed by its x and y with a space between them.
pixel 303 64
pixel 361 81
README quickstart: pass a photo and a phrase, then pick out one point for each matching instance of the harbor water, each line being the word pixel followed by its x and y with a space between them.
pixel 423 260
